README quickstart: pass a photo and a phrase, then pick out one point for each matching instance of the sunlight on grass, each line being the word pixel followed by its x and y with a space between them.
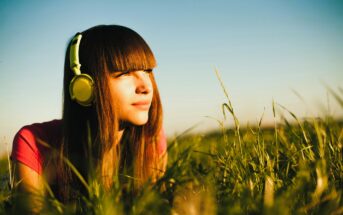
pixel 285 169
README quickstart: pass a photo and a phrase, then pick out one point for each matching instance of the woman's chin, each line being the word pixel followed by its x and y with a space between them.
pixel 138 121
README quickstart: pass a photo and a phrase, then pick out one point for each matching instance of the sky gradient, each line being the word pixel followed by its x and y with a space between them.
pixel 264 50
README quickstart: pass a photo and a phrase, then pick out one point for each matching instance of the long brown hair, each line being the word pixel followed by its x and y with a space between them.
pixel 90 134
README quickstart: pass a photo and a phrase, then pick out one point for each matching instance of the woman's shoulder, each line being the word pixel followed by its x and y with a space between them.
pixel 48 125
pixel 30 143
pixel 42 131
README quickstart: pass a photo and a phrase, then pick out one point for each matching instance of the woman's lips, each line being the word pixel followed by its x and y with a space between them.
pixel 143 105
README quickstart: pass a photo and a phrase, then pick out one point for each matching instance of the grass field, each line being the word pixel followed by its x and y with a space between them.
pixel 290 168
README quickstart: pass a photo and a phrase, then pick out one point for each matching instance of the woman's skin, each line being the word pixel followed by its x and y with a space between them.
pixel 132 93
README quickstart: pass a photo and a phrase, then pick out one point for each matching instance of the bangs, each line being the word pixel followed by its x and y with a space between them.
pixel 126 50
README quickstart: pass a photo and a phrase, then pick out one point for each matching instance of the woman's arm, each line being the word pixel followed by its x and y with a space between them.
pixel 27 169
pixel 28 189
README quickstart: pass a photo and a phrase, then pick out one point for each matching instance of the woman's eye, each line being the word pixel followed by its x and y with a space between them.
pixel 125 73
pixel 119 74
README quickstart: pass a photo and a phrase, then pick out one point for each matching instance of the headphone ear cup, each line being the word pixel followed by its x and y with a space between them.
pixel 81 89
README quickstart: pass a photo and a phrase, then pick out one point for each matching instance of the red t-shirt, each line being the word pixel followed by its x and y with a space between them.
pixel 28 149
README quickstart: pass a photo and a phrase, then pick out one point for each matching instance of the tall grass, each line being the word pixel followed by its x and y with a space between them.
pixel 291 168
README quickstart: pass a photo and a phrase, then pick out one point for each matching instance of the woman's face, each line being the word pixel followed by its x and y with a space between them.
pixel 131 94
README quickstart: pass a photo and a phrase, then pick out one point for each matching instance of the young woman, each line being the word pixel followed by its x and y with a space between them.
pixel 112 119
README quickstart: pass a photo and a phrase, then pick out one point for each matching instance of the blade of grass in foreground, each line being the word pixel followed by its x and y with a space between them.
pixel 229 107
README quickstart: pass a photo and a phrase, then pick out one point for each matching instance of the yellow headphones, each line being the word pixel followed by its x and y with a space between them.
pixel 81 87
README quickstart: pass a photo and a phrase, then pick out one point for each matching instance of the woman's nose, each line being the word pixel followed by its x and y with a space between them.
pixel 143 82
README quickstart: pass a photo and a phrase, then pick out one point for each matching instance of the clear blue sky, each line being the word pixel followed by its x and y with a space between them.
pixel 263 50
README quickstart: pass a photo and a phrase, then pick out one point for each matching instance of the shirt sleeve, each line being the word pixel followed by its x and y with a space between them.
pixel 25 150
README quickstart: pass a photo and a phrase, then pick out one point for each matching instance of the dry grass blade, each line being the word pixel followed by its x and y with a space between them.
pixel 338 98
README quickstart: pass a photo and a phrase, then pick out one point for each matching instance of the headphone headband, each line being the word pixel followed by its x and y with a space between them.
pixel 74 54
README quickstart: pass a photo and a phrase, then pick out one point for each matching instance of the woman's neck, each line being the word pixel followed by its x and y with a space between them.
pixel 122 126
pixel 120 134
